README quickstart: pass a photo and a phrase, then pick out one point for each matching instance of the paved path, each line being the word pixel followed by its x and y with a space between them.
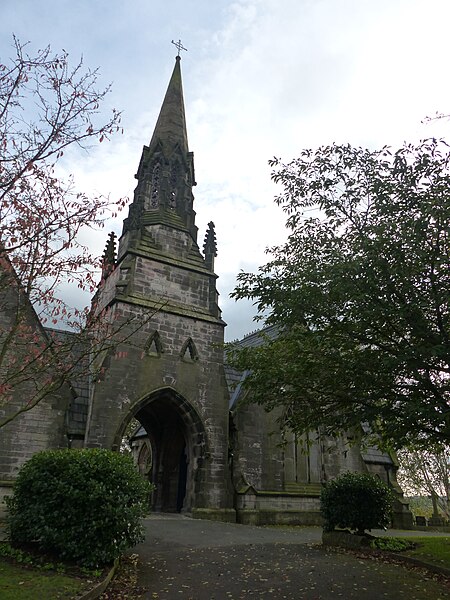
pixel 203 560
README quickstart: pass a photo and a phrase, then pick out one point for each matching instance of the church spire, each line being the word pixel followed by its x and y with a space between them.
pixel 165 174
pixel 170 129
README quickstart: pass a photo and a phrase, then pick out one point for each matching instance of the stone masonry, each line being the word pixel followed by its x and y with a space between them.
pixel 208 453
pixel 169 374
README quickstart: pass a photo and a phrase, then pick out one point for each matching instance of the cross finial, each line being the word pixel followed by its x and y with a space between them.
pixel 179 46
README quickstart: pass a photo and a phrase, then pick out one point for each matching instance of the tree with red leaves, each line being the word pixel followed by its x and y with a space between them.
pixel 45 107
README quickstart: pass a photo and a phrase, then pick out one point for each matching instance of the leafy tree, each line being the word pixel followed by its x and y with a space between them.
pixel 359 295
pixel 46 108
pixel 421 506
pixel 427 472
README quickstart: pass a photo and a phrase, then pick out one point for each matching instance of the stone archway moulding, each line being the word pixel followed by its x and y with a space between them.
pixel 189 415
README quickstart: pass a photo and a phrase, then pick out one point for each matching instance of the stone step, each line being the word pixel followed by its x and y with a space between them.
pixel 307 489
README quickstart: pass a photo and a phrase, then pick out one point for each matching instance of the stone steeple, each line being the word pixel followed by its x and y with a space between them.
pixel 165 174
pixel 170 129
pixel 161 294
pixel 159 233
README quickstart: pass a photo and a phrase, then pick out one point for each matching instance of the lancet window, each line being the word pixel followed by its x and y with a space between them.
pixel 154 188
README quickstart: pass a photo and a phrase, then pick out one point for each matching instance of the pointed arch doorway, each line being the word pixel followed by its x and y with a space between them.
pixel 178 448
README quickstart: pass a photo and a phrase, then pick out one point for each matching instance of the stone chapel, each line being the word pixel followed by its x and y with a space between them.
pixel 209 454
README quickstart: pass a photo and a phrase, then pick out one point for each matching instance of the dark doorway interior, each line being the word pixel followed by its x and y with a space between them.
pixel 170 450
pixel 182 477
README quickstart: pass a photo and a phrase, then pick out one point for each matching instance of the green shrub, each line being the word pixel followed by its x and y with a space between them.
pixel 85 505
pixel 392 544
pixel 356 501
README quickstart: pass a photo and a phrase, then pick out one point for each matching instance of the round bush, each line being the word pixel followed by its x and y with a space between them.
pixel 356 501
pixel 86 505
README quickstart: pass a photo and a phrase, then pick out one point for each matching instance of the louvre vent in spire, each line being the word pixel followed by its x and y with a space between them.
pixel 155 183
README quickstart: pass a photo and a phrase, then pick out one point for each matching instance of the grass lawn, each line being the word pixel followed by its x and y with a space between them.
pixel 23 583
pixel 434 550
pixel 29 575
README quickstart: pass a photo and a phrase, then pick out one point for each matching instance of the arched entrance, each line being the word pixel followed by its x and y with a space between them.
pixel 178 447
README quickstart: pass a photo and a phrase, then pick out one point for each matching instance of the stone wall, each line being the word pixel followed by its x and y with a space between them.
pixel 169 373
pixel 271 508
pixel 44 426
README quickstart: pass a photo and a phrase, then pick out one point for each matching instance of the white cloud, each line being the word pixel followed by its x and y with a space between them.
pixel 261 78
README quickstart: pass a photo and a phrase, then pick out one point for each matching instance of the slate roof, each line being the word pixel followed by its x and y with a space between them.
pixel 374 455
pixel 235 378
pixel 139 432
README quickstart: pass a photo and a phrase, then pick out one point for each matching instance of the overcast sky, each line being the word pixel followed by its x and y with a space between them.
pixel 261 78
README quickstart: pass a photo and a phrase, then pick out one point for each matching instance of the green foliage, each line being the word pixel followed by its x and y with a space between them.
pixel 37 561
pixel 85 505
pixel 359 295
pixel 420 505
pixel 356 501
pixel 434 550
pixel 392 544
pixel 19 556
